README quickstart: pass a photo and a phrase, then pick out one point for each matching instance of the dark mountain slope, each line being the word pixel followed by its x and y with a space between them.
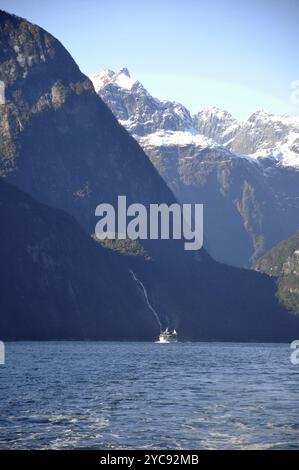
pixel 59 140
pixel 57 283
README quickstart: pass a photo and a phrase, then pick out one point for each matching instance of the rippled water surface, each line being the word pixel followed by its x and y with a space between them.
pixel 142 395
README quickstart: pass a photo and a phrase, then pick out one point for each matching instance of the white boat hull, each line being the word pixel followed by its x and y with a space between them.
pixel 166 337
pixel 164 341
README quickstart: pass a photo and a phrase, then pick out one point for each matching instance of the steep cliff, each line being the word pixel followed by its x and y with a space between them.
pixel 63 146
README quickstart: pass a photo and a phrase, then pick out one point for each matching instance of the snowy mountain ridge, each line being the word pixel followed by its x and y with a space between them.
pixel 263 135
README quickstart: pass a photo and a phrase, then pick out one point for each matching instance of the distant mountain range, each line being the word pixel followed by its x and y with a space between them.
pixel 246 173
pixel 62 152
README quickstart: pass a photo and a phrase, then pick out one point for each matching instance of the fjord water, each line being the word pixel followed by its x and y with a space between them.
pixel 64 395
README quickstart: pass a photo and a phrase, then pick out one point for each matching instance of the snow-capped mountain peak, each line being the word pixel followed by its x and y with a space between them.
pixel 266 117
pixel 122 79
pixel 260 114
pixel 125 71
pixel 216 123
pixel 136 109
pixel 263 135
pixel 101 79
pixel 246 173
pixel 268 135
pixel 214 111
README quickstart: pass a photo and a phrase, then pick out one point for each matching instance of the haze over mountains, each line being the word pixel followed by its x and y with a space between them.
pixel 62 152
pixel 246 173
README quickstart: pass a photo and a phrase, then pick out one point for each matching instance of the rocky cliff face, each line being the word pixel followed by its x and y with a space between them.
pixel 60 142
pixel 265 135
pixel 246 174
pixel 63 146
pixel 249 206
pixel 282 263
pixel 216 124
pixel 135 108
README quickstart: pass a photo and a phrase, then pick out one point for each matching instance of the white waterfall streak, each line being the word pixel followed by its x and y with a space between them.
pixel 146 298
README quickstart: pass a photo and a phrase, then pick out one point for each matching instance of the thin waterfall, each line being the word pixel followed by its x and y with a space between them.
pixel 146 298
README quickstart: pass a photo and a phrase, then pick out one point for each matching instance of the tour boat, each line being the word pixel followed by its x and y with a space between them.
pixel 167 336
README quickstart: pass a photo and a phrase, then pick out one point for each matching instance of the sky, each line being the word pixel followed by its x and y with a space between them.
pixel 237 55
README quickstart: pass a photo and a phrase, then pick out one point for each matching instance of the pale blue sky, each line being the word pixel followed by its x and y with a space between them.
pixel 234 54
